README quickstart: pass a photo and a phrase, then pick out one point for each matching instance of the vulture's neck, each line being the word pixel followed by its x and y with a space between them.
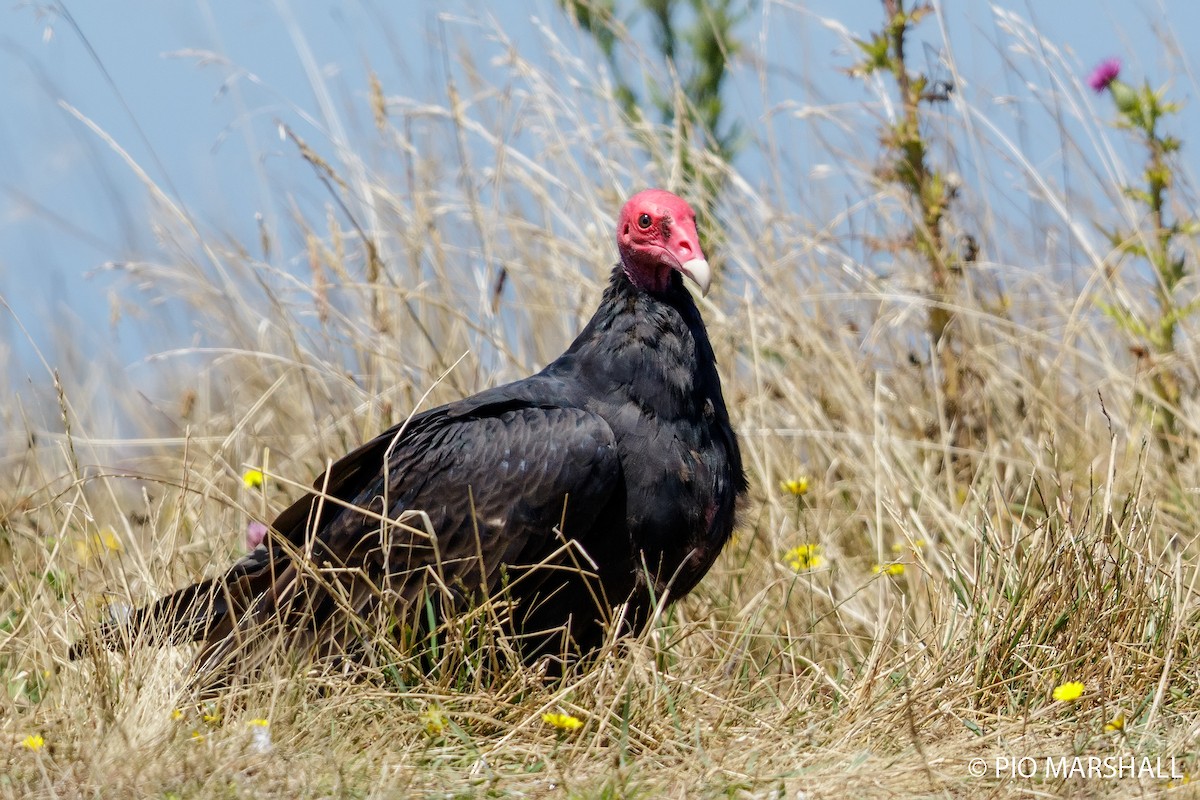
pixel 650 347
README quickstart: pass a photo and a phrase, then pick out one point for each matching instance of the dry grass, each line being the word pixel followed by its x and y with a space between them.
pixel 1056 546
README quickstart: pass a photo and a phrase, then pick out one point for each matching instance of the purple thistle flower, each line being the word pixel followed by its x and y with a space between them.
pixel 1105 73
pixel 255 533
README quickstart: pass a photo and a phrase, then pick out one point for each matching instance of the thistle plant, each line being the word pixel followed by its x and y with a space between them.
pixel 1158 241
pixel 907 165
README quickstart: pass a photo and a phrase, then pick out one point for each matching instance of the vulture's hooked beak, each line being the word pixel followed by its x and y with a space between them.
pixel 697 272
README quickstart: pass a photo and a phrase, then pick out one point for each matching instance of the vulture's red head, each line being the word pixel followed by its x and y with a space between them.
pixel 656 233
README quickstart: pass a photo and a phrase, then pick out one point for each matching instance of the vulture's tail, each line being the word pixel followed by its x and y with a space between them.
pixel 203 611
pixel 229 614
pixel 272 596
pixel 187 615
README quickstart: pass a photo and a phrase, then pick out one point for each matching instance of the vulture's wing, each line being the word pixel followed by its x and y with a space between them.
pixel 491 485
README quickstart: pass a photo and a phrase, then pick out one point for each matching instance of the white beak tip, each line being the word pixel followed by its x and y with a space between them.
pixel 698 272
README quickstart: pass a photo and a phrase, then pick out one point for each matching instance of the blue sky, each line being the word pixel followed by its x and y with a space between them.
pixel 193 93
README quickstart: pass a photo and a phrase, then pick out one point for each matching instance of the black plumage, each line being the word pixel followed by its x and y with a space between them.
pixel 610 477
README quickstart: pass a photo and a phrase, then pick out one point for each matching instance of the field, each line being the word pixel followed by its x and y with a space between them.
pixel 941 540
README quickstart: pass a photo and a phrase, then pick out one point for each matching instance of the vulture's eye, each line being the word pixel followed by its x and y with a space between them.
pixel 644 221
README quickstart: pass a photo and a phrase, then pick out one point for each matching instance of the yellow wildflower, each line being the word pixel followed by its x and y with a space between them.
pixel 804 557
pixel 433 719
pixel 252 478
pixel 177 714
pixel 795 486
pixel 212 717
pixel 197 736
pixel 564 722
pixel 107 539
pixel 34 742
pixel 104 540
pixel 917 544
pixel 1067 692
pixel 895 568
pixel 257 723
pixel 1115 724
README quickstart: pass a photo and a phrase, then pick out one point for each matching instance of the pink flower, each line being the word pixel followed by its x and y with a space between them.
pixel 255 533
pixel 1105 73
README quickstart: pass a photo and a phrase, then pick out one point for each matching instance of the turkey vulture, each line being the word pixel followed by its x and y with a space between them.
pixel 606 481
